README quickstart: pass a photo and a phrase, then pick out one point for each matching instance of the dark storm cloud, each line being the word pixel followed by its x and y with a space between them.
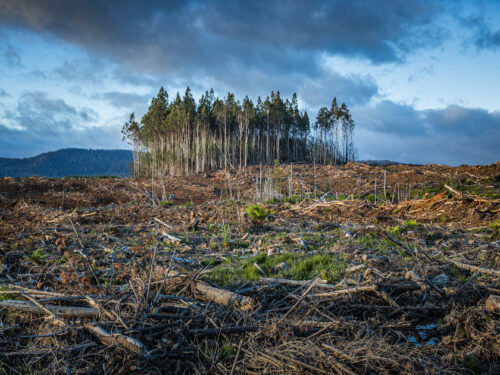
pixel 351 89
pixel 124 99
pixel 190 37
pixel 392 118
pixel 452 135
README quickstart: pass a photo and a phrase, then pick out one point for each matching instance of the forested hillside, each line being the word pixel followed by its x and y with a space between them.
pixel 69 162
pixel 181 136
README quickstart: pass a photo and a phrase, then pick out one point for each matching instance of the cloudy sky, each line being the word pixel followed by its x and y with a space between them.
pixel 422 78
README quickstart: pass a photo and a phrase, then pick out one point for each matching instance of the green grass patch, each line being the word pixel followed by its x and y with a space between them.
pixel 330 267
pixel 410 224
pixel 166 204
pixel 210 262
pixel 495 227
pixel 490 194
pixel 372 241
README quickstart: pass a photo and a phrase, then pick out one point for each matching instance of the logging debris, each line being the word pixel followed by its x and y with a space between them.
pixel 331 281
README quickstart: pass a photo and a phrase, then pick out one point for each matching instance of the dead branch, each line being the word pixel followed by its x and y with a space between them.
pixel 65 311
pixel 127 342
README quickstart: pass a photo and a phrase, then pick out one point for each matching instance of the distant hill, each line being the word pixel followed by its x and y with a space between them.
pixel 70 162
pixel 383 163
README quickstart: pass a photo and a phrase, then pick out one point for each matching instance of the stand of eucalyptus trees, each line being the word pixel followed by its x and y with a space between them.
pixel 180 136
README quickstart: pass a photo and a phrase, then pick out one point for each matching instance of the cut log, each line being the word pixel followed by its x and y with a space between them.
pixel 493 303
pixel 64 311
pixel 355 268
pixel 205 292
pixel 129 343
pixel 220 296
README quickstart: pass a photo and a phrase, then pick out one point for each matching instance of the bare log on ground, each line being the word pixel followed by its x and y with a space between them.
pixel 64 311
pixel 205 292
pixel 129 343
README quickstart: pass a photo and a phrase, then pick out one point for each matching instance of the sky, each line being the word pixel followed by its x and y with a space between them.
pixel 421 78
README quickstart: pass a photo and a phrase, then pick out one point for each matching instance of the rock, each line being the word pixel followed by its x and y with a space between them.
pixel 280 267
pixel 493 303
pixel 440 280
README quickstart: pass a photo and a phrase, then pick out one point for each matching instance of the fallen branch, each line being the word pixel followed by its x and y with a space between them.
pixel 65 311
pixel 129 343
pixel 163 223
pixel 58 321
pixel 472 268
pixel 292 282
pixel 359 289
pixel 449 188
pixel 207 293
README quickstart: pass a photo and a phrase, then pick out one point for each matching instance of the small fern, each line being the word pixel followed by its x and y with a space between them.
pixel 257 213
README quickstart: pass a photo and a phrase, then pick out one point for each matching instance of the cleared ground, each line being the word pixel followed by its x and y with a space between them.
pixel 353 269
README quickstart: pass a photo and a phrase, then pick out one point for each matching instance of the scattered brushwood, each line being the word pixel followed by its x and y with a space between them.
pixel 115 281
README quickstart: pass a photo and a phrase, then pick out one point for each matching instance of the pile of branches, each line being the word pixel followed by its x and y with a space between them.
pixel 167 318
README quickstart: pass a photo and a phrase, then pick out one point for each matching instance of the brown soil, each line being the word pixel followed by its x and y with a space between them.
pixel 96 237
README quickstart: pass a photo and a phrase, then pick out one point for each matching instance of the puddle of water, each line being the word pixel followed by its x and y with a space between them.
pixel 423 327
pixel 432 341
pixel 412 340
pixel 423 335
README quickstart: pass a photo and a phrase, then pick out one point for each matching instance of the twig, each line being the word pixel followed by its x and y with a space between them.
pixel 236 357
pixel 300 299
pixel 470 267
pixel 54 317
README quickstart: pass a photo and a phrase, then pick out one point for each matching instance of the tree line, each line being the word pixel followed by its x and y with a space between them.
pixel 180 136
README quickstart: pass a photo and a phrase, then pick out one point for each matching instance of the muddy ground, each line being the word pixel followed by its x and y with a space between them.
pixel 351 269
